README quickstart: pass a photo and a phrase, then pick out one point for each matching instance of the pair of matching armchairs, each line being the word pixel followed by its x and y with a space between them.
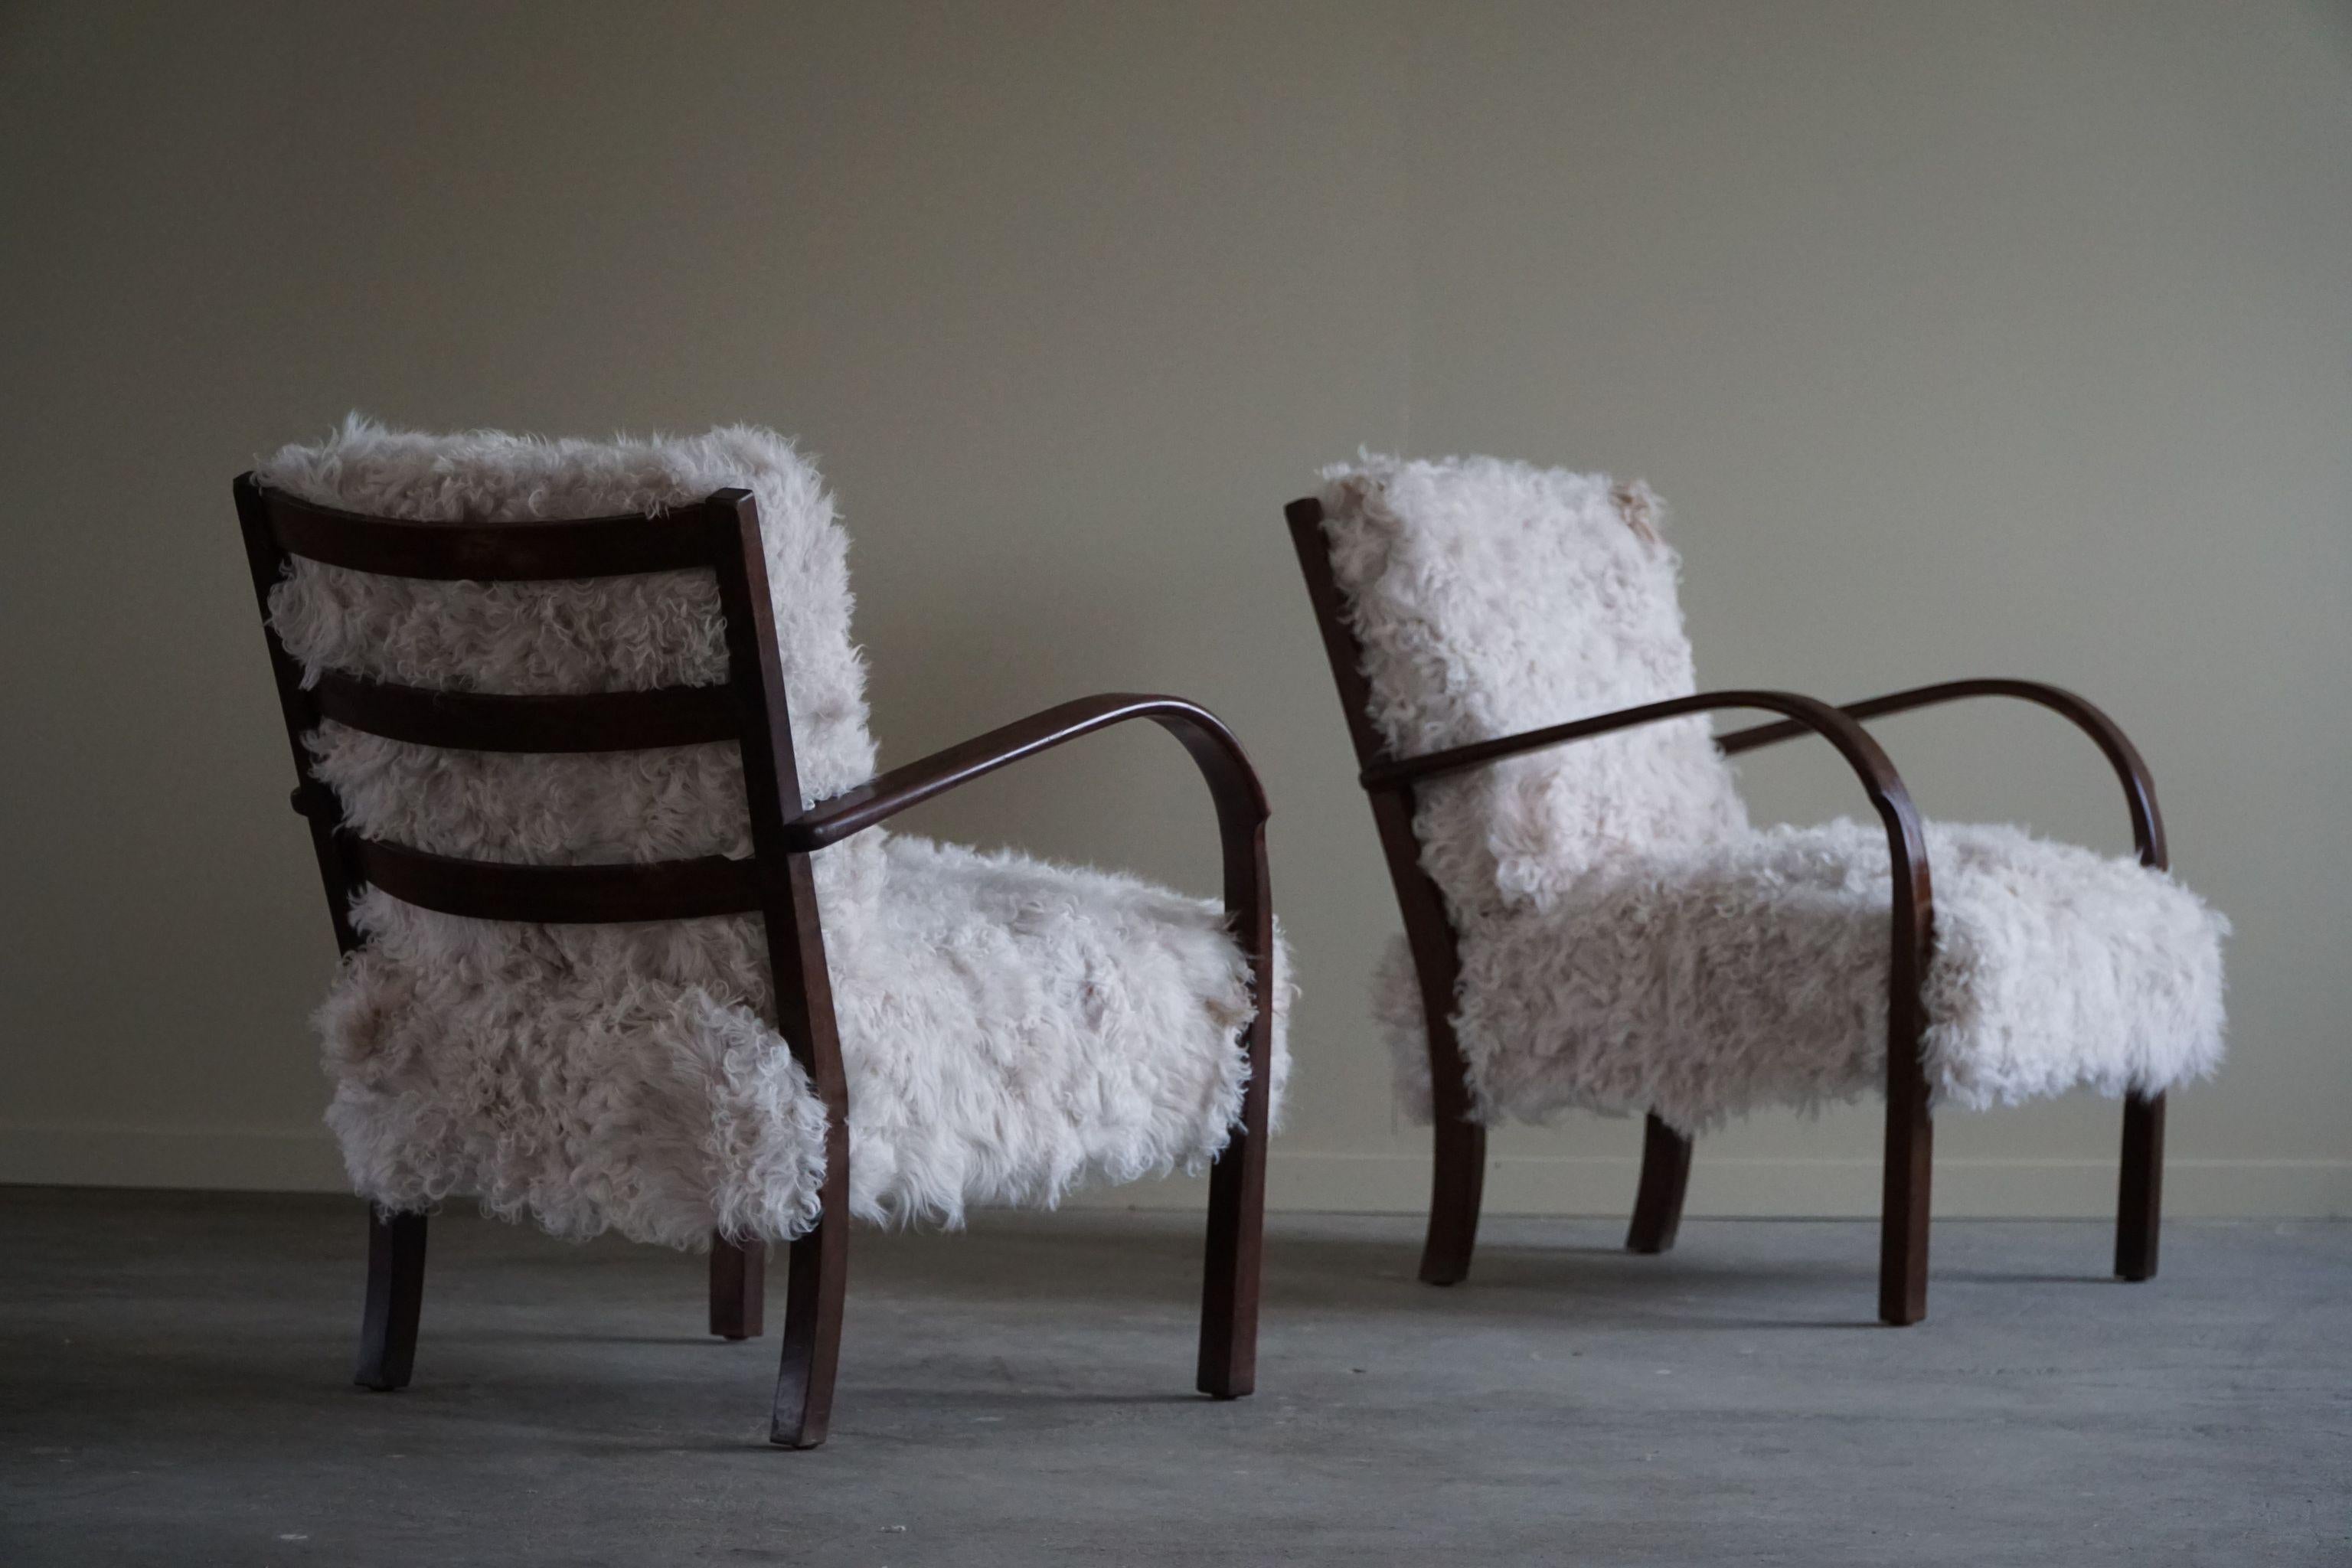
pixel 581 738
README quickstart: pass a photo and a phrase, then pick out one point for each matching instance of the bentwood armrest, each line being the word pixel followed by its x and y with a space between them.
pixel 2140 787
pixel 1233 784
pixel 1228 1361
pixel 1841 730
pixel 1907 844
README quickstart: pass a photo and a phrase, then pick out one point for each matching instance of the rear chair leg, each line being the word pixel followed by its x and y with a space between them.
pixel 738 1276
pixel 1665 1174
pixel 395 1294
pixel 814 1275
pixel 1456 1179
pixel 2140 1203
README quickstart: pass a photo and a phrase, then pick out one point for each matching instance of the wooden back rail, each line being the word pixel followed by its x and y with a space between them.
pixel 278 527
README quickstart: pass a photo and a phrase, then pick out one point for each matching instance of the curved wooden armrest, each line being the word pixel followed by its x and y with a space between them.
pixel 1233 784
pixel 1241 813
pixel 1907 844
pixel 2131 771
pixel 1841 729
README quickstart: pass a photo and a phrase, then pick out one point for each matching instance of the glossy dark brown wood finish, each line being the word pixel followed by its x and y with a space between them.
pixel 1903 1245
pixel 597 722
pixel 267 560
pixel 1458 1141
pixel 396 1299
pixel 2131 770
pixel 395 1278
pixel 1666 1176
pixel 816 1267
pixel 526 551
pixel 2139 1200
pixel 2139 1197
pixel 560 895
pixel 721 535
pixel 738 1288
pixel 1234 787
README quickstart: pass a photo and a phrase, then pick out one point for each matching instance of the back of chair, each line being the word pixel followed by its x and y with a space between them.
pixel 1485 599
pixel 721 535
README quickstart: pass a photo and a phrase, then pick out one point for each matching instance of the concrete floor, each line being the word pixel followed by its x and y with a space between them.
pixel 174 1388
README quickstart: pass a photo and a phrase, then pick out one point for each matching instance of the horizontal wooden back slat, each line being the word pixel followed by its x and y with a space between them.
pixel 570 721
pixel 559 895
pixel 521 552
pixel 720 533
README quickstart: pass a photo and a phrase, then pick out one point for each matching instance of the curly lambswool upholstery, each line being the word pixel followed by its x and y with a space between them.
pixel 1008 1028
pixel 1628 942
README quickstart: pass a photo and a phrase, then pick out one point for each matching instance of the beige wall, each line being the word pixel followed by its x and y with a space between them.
pixel 1963 340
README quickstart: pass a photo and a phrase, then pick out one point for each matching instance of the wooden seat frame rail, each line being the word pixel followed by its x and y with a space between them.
pixel 721 535
pixel 1459 1170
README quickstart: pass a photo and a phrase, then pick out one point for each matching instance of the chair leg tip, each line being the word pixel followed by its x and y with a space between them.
pixel 1900 1308
pixel 784 1436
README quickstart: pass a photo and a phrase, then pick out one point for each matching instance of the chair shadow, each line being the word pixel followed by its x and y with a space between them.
pixel 592 1337
pixel 1583 1283
pixel 1763 1325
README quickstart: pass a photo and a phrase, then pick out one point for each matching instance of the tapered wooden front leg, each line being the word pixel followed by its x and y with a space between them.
pixel 1665 1174
pixel 395 1297
pixel 1902 1215
pixel 815 1275
pixel 2140 1200
pixel 1456 1180
pixel 738 1286
pixel 1237 1245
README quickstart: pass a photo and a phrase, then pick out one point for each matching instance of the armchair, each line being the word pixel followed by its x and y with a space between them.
pixel 582 746
pixel 1607 932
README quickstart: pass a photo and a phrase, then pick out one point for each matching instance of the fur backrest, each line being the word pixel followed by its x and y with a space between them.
pixel 1493 597
pixel 607 634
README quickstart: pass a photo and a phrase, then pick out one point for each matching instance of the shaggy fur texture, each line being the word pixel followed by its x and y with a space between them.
pixel 1008 1028
pixel 1628 942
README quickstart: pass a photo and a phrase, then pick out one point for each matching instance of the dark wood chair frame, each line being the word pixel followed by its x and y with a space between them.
pixel 1459 1171
pixel 720 534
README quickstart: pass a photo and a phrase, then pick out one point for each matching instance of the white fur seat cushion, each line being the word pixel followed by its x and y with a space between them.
pixel 1009 1030
pixel 1014 1029
pixel 1754 973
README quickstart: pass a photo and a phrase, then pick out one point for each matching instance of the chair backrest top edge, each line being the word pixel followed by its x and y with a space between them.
pixel 510 549
pixel 281 499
